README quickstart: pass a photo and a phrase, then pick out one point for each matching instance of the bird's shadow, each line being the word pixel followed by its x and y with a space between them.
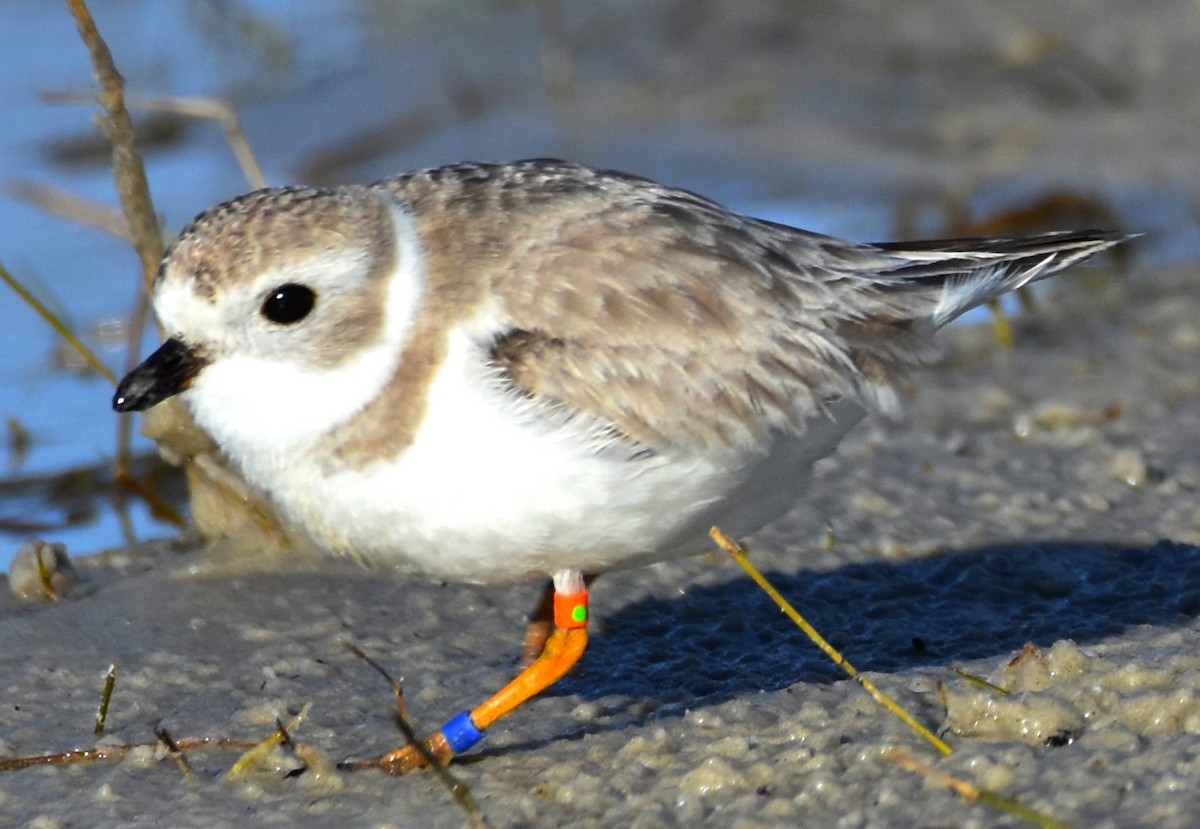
pixel 717 642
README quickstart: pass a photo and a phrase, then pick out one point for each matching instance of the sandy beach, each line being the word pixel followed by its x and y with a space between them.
pixel 1046 494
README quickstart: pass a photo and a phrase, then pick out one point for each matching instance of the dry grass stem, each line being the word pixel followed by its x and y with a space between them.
pixel 257 754
pixel 211 109
pixel 974 793
pixel 134 193
pixel 174 752
pixel 58 325
pixel 980 682
pixel 132 187
pixel 65 205
pixel 110 682
pixel 738 552
pixel 92 755
pixel 458 790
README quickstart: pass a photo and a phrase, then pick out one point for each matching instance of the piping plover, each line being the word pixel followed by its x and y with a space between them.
pixel 488 372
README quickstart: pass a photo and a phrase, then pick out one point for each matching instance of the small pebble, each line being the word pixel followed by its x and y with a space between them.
pixel 1128 466
pixel 1033 718
pixel 711 777
pixel 41 572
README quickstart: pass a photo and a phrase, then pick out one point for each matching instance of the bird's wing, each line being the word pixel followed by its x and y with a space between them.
pixel 673 321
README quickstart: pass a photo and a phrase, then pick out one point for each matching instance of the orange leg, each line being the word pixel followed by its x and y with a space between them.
pixel 539 627
pixel 562 650
pixel 541 623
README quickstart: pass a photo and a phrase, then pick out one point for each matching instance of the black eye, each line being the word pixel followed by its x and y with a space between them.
pixel 288 304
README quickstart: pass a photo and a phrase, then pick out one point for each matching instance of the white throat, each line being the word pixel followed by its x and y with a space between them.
pixel 262 411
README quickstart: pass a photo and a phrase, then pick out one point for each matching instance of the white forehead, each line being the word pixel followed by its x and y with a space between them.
pixel 222 307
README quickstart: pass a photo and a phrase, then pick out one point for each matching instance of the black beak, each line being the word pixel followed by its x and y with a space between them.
pixel 166 372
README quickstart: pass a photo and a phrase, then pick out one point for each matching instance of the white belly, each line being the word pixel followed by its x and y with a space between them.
pixel 489 491
pixel 485 495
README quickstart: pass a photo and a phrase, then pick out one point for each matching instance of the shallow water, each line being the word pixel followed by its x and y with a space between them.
pixel 88 277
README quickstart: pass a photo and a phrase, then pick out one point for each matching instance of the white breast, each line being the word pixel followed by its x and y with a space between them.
pixel 489 493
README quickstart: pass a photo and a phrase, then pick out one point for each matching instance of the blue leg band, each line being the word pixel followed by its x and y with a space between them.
pixel 461 733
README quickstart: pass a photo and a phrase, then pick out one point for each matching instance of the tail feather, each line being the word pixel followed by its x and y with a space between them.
pixel 970 272
pixel 925 285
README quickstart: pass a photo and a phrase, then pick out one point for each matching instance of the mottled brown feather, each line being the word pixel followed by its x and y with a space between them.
pixel 677 322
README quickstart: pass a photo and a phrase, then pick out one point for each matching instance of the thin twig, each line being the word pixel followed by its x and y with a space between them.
pixel 131 184
pixel 92 755
pixel 58 325
pixel 255 755
pixel 458 790
pixel 213 109
pixel 132 187
pixel 65 205
pixel 137 325
pixel 174 752
pixel 110 682
pixel 974 793
pixel 980 682
pixel 738 551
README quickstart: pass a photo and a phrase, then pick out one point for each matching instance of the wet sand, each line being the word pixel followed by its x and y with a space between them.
pixel 1021 500
pixel 1046 494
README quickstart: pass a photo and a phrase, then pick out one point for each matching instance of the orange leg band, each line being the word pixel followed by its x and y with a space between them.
pixel 571 609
